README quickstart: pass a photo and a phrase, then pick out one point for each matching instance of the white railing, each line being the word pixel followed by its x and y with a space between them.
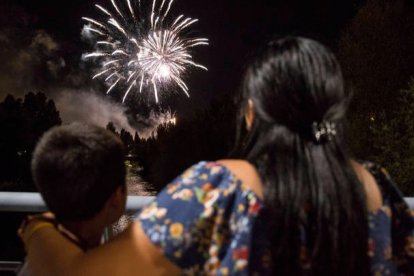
pixel 33 202
pixel 8 268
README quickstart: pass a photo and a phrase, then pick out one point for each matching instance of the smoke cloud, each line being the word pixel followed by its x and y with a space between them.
pixel 148 125
pixel 26 66
pixel 33 60
pixel 90 107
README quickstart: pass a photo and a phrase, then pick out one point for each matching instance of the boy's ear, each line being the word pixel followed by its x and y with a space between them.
pixel 115 205
pixel 118 198
pixel 249 114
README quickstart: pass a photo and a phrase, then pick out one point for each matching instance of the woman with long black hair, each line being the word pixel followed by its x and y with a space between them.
pixel 315 207
pixel 293 204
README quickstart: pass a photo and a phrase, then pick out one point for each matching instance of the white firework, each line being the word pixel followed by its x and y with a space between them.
pixel 141 50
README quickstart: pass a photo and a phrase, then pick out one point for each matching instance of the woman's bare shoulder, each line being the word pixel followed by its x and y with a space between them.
pixel 372 191
pixel 246 172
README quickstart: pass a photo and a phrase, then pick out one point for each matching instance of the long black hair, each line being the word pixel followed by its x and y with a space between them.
pixel 315 207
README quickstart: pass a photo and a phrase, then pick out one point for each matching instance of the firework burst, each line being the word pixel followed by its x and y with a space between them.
pixel 142 50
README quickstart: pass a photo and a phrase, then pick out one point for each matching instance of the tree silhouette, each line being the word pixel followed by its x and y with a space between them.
pixel 22 124
pixel 111 127
pixel 12 140
pixel 127 139
pixel 207 135
pixel 41 115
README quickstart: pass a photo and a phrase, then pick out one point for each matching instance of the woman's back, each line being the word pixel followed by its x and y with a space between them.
pixel 390 219
pixel 212 220
pixel 311 211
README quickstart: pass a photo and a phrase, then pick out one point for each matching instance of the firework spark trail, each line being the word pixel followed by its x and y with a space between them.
pixel 95 31
pixel 130 8
pixel 138 49
pixel 103 9
pixel 116 8
pixel 97 54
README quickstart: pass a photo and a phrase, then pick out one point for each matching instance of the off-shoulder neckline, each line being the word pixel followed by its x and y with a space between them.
pixel 237 179
pixel 247 188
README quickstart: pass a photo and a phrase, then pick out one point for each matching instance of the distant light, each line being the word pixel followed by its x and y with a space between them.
pixel 173 121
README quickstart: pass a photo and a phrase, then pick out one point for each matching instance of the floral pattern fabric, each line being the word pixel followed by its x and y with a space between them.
pixel 206 221
pixel 391 229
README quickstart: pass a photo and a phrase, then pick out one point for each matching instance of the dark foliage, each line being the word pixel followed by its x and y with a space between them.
pixel 207 135
pixel 376 51
pixel 22 122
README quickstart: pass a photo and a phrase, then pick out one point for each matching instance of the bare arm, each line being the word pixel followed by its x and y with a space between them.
pixel 372 191
pixel 130 253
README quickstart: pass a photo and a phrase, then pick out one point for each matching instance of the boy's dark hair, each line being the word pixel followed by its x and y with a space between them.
pixel 77 168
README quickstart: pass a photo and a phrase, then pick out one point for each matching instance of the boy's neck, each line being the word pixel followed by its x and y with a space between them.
pixel 89 231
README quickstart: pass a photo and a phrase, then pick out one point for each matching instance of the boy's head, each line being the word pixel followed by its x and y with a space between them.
pixel 78 168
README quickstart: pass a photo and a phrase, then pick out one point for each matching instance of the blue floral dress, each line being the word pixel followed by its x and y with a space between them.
pixel 203 222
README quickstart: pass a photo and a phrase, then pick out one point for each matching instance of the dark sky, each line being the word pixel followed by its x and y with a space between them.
pixel 235 29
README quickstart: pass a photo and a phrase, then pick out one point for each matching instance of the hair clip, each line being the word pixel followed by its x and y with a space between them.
pixel 324 131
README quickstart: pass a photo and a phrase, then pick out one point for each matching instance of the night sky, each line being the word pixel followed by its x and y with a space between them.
pixel 41 47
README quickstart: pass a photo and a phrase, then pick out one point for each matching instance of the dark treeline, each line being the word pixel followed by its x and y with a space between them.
pixel 22 122
pixel 207 135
